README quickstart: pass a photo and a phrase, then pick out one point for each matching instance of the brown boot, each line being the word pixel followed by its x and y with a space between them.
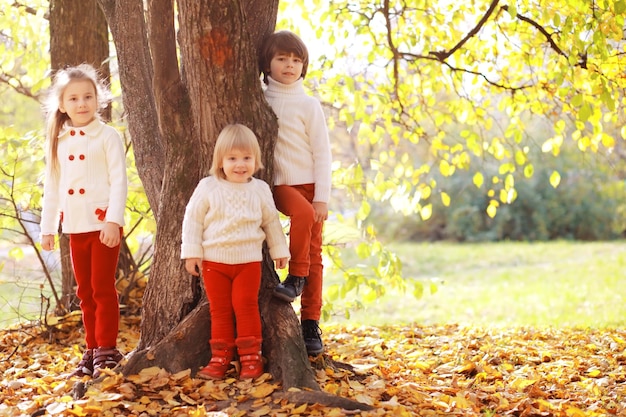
pixel 85 366
pixel 105 358
pixel 222 353
pixel 249 350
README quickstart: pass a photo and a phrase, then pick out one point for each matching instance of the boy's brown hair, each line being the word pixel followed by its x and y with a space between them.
pixel 282 41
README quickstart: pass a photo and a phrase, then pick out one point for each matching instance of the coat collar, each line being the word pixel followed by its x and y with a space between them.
pixel 92 129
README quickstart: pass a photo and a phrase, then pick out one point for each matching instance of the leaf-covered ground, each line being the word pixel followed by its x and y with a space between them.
pixel 400 371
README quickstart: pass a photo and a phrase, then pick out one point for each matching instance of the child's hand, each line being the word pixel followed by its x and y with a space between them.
pixel 321 211
pixel 193 266
pixel 110 236
pixel 47 242
pixel 281 263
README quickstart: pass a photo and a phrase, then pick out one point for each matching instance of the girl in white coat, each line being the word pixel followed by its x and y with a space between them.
pixel 85 190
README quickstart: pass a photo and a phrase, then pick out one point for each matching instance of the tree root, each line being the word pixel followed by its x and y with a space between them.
pixel 322 398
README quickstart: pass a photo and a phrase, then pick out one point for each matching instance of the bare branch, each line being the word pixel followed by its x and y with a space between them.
pixel 20 88
pixel 27 9
pixel 22 224
pixel 484 77
pixel 583 57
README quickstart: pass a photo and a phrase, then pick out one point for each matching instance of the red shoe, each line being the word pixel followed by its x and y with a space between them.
pixel 250 357
pixel 222 354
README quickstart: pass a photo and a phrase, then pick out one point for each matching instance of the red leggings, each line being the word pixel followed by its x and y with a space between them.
pixel 305 243
pixel 94 267
pixel 233 289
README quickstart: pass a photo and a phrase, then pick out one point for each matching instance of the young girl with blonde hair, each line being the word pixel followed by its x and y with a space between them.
pixel 85 190
pixel 227 219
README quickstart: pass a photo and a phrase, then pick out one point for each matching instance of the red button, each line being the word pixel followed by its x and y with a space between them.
pixel 81 157
pixel 71 157
pixel 70 191
pixel 82 191
pixel 82 133
pixel 72 132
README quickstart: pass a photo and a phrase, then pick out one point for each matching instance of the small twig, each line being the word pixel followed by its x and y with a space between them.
pixel 17 216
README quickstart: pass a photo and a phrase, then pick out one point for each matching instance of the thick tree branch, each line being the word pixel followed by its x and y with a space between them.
pixel 127 25
pixel 170 96
pixel 540 28
pixel 443 55
pixel 392 46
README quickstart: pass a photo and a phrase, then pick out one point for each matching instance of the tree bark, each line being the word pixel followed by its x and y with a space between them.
pixel 79 34
pixel 184 108
pixel 127 25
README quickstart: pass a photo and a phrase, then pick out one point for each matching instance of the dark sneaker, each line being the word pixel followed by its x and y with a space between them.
pixel 312 337
pixel 85 366
pixel 290 288
pixel 105 358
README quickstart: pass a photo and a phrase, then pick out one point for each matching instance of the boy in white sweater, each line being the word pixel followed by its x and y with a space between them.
pixel 302 179
pixel 227 219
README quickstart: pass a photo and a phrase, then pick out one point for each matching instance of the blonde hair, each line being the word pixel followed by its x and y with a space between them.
pixel 234 136
pixel 55 119
pixel 285 42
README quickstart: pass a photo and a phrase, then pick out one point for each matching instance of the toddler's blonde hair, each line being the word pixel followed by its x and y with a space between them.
pixel 235 136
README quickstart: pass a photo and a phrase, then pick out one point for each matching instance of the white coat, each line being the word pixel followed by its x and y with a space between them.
pixel 91 187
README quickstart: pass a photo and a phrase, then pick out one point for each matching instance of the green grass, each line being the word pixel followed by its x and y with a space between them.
pixel 553 284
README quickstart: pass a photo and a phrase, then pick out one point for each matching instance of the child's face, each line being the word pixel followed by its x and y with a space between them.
pixel 286 68
pixel 238 165
pixel 79 102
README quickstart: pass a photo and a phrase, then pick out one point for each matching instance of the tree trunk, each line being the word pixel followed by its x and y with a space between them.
pixel 217 83
pixel 79 34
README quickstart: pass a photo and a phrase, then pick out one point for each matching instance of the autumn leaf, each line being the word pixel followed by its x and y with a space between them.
pixel 400 371
pixel 263 390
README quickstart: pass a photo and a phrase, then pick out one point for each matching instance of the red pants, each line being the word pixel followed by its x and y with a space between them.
pixel 305 243
pixel 94 267
pixel 233 289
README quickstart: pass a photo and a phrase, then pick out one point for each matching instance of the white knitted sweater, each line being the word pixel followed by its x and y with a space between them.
pixel 227 222
pixel 302 153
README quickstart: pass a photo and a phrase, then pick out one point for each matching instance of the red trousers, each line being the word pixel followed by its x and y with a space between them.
pixel 233 294
pixel 94 266
pixel 305 243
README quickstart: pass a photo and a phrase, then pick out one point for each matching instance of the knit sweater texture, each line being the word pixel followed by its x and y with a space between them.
pixel 302 154
pixel 227 222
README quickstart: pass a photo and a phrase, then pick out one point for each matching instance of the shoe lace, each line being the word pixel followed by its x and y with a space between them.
pixel 311 331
